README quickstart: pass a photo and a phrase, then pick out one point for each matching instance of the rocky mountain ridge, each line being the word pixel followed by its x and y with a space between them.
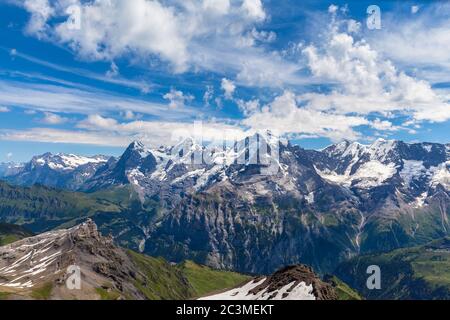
pixel 45 267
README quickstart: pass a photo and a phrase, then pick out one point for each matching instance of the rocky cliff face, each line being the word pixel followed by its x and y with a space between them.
pixel 320 208
pixel 43 261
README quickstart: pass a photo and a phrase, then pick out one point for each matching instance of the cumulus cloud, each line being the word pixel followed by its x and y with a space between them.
pixel 41 11
pixel 285 116
pixel 169 30
pixel 221 36
pixel 228 88
pixel 383 125
pixel 333 8
pixel 248 107
pixel 365 82
pixel 254 9
pixel 4 109
pixel 98 122
pixel 263 36
pixel 53 119
pixel 177 98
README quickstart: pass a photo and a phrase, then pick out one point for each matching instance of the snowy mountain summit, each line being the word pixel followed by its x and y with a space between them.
pixel 297 282
pixel 66 171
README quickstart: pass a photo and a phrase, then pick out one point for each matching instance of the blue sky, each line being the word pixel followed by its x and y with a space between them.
pixel 309 70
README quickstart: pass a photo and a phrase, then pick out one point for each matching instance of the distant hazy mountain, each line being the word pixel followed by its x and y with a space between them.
pixel 66 171
pixel 10 168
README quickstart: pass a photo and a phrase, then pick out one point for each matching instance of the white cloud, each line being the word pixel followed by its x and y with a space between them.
pixel 57 99
pixel 41 11
pixel 111 75
pixel 130 115
pixel 30 112
pixel 217 6
pixel 113 28
pixel 218 36
pixel 208 95
pixel 333 8
pixel 414 9
pixel 4 109
pixel 53 119
pixel 171 30
pixel 263 36
pixel 98 122
pixel 228 88
pixel 285 116
pixel 155 133
pixel 9 155
pixel 248 107
pixel 365 82
pixel 254 9
pixel 113 71
pixel 353 26
pixel 421 43
pixel 192 37
pixel 64 136
pixel 177 99
pixel 383 125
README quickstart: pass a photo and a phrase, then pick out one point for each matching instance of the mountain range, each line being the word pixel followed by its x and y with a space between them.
pixel 254 207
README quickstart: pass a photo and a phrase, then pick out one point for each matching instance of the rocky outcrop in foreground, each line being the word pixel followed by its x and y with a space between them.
pixel 297 282
pixel 79 263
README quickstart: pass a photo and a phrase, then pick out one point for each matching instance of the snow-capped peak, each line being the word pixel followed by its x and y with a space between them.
pixel 140 148
pixel 381 149
pixel 66 162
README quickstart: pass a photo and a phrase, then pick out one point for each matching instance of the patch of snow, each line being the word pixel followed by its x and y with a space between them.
pixel 373 173
pixel 420 201
pixel 289 292
pixel 67 162
pixel 380 149
pixel 370 174
pixel 411 170
pixel 441 175
pixel 310 198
